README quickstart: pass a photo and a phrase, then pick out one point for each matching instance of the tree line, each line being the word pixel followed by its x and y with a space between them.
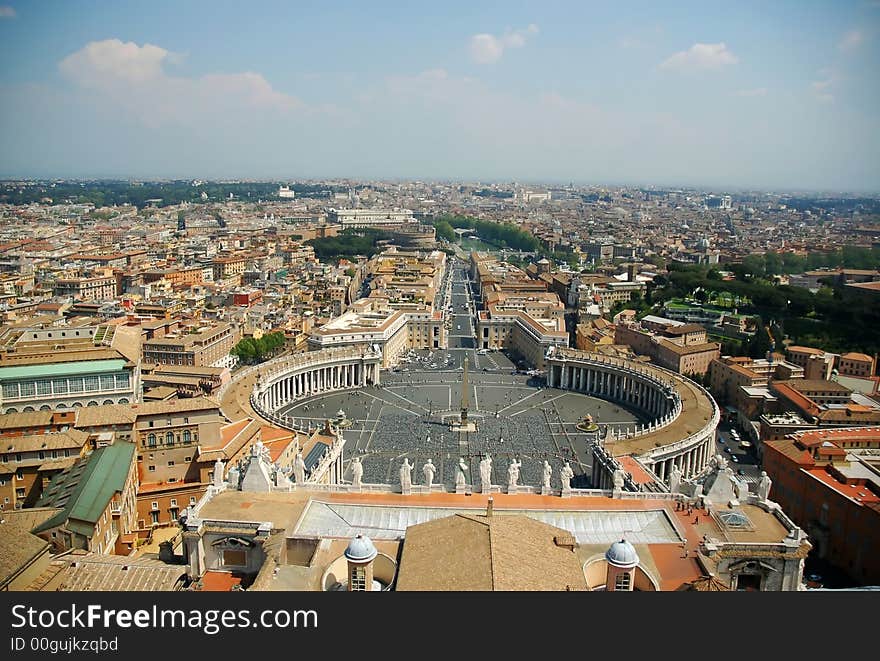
pixel 251 351
pixel 501 235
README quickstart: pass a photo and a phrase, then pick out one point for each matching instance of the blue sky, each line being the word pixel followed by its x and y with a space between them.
pixel 768 96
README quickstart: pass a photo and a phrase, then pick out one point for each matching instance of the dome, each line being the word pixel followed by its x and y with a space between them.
pixel 622 554
pixel 360 549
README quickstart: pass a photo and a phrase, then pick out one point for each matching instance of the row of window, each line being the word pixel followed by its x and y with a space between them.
pixel 187 438
pixel 94 383
pixel 55 454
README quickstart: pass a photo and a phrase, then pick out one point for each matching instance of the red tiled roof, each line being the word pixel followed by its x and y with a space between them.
pixel 218 581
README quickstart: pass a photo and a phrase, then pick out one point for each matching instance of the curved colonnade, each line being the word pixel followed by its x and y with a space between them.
pixel 683 414
pixel 286 380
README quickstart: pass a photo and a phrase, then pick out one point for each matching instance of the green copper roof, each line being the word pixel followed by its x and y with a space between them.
pixel 84 491
pixel 61 369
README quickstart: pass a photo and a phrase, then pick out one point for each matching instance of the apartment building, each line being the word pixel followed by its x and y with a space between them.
pixel 94 288
pixel 29 461
pixel 828 482
pixel 97 502
pixel 206 347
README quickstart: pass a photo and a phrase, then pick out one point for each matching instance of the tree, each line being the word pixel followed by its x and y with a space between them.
pixel 760 343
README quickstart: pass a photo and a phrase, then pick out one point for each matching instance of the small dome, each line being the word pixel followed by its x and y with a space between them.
pixel 622 554
pixel 360 549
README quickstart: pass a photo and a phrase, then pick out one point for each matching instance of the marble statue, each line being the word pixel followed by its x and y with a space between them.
pixel 406 475
pixel 218 473
pixel 565 474
pixel 299 468
pixel 674 478
pixel 513 474
pixel 460 479
pixel 737 487
pixel 619 478
pixel 429 469
pixel 548 472
pixel 486 473
pixel 764 485
pixel 234 477
pixel 357 472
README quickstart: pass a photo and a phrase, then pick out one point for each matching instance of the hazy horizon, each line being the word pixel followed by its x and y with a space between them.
pixel 752 97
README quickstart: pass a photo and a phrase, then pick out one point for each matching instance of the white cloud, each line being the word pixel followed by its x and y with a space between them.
pixel 104 62
pixel 821 88
pixel 7 12
pixel 134 78
pixel 700 57
pixel 486 48
pixel 758 91
pixel 851 40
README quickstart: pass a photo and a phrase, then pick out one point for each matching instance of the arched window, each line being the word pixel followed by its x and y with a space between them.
pixel 151 440
pixel 169 438
pixel 187 436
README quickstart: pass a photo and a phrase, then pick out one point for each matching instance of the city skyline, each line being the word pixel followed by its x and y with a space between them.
pixel 745 98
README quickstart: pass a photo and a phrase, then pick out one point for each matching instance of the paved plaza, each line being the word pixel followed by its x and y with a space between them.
pixel 409 414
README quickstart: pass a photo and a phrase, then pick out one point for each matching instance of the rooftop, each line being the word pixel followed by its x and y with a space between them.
pixel 84 491
pixel 61 369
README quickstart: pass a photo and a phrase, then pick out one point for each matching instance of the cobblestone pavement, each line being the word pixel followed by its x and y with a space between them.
pixel 409 416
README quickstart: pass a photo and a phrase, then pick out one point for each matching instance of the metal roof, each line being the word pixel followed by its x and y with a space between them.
pixel 86 489
pixel 315 454
pixel 61 369
pixel 386 522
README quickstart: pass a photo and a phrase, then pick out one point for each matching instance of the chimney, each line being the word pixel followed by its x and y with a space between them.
pixel 489 506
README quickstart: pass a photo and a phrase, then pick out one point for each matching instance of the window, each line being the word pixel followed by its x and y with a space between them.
pixel 358 578
pixel 54 454
pixel 151 423
pixel 186 421
pixel 169 438
pixel 42 454
pixel 187 458
pixel 234 558
pixel 154 517
pixel 174 502
pixel 18 456
pixel 151 440
pixel 748 582
pixel 154 505
pixel 171 463
pixel 621 581
pixel 151 469
pixel 187 436
pixel 192 500
pixel 19 474
pixel 19 493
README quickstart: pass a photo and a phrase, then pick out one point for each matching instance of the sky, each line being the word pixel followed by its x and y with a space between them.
pixel 725 95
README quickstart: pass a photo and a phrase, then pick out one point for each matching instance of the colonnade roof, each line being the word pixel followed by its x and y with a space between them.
pixel 697 407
